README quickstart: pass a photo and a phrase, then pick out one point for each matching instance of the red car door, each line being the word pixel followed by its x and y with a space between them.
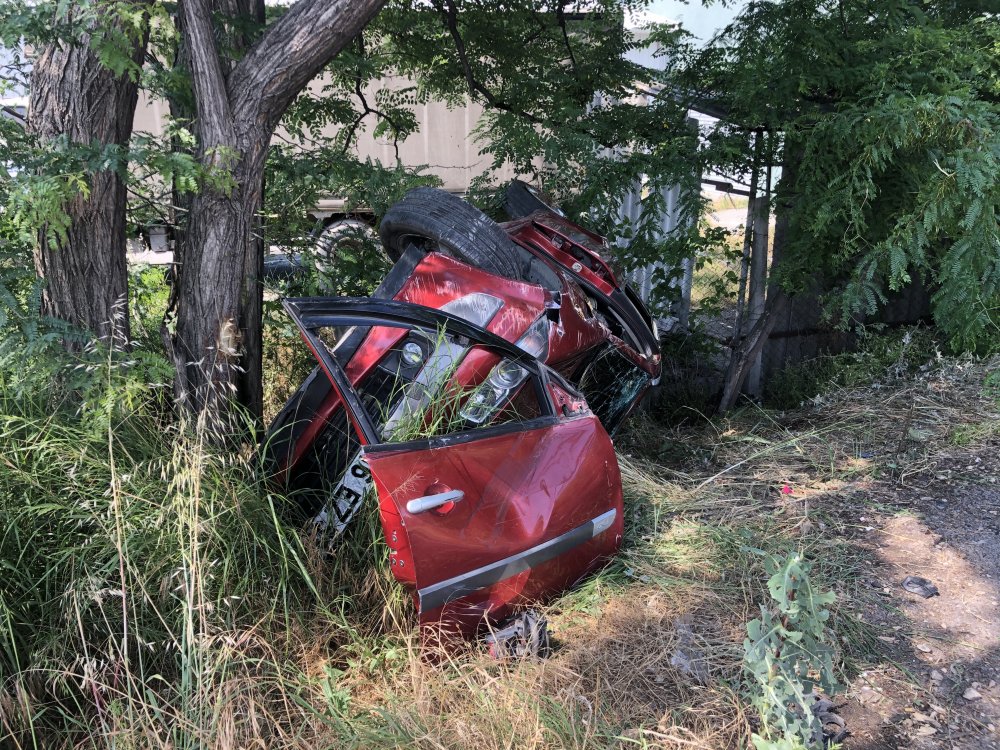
pixel 488 514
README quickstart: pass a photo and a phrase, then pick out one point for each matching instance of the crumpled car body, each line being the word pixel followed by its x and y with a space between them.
pixel 476 411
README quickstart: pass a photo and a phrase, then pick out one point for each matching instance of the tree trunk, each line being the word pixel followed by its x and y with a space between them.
pixel 749 348
pixel 216 339
pixel 86 279
pixel 217 344
pixel 736 351
pixel 758 281
pixel 777 301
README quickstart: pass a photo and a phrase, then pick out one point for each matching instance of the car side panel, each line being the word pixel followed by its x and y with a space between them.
pixel 438 279
pixel 523 490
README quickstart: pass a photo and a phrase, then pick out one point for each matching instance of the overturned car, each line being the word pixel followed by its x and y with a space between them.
pixel 473 394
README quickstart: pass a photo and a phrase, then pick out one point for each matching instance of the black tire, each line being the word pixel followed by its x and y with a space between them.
pixel 436 221
pixel 521 199
pixel 350 233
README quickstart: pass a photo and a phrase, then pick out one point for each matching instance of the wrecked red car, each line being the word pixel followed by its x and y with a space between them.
pixel 474 394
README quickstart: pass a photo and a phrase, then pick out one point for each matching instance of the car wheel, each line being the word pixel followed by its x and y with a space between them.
pixel 437 221
pixel 521 199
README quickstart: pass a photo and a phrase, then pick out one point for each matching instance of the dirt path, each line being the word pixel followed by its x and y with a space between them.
pixel 937 685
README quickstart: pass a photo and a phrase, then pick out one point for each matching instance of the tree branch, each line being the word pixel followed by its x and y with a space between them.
pixel 352 129
pixel 450 14
pixel 451 20
pixel 214 114
pixel 290 54
pixel 561 20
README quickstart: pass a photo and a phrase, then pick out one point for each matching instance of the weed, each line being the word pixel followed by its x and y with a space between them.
pixel 991 387
pixel 148 292
pixel 787 656
pixel 974 434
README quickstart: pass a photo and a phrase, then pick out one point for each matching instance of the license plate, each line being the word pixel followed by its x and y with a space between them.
pixel 345 499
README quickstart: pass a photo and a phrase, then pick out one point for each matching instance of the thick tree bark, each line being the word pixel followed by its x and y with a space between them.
pixel 216 344
pixel 73 95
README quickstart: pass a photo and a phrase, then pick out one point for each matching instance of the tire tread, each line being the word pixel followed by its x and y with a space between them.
pixel 460 228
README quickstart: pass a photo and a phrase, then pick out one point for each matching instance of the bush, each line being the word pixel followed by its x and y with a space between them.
pixel 879 357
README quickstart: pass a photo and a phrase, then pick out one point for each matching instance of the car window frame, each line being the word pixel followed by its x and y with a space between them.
pixel 312 313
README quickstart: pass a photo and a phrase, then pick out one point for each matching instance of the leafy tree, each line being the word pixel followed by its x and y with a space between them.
pixel 563 107
pixel 574 99
pixel 215 343
pixel 241 76
pixel 887 109
pixel 888 112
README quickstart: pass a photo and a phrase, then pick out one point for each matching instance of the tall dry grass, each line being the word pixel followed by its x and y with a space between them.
pixel 154 592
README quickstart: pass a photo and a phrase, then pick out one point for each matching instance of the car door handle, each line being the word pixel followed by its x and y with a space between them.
pixel 429 502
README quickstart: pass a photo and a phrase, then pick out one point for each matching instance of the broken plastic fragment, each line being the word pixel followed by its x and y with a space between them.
pixel 920 586
pixel 525 635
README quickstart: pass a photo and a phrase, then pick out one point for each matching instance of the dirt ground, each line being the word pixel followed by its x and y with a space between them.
pixel 938 682
pixel 875 482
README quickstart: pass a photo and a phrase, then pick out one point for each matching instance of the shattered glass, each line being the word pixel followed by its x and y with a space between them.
pixel 612 383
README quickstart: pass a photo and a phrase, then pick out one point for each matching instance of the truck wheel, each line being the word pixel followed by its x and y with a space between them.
pixel 350 233
pixel 436 221
pixel 521 199
pixel 350 236
pixel 346 234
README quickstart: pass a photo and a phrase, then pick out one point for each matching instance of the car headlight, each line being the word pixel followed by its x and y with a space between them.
pixel 507 375
pixel 483 402
pixel 411 354
pixel 478 309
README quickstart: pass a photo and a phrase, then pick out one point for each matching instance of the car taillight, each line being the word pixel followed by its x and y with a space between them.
pixel 478 308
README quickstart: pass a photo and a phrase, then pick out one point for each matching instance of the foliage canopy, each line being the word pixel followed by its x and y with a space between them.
pixel 887 115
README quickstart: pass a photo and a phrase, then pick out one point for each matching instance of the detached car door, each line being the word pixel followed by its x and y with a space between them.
pixel 496 485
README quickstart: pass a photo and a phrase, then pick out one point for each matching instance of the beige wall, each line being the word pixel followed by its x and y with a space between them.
pixel 444 141
pixel 150 115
